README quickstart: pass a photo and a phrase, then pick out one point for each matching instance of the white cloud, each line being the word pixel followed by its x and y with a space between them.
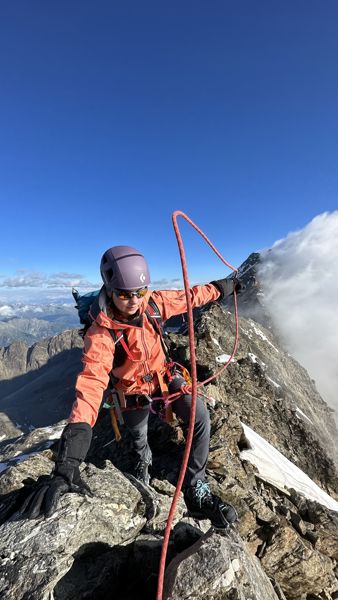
pixel 24 278
pixel 32 279
pixel 6 311
pixel 167 284
pixel 300 282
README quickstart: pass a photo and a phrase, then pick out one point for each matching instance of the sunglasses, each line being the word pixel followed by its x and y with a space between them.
pixel 127 295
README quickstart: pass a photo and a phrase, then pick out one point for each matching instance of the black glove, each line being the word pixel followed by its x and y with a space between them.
pixel 227 286
pixel 74 445
pixel 44 499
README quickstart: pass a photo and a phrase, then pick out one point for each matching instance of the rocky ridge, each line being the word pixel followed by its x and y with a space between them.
pixel 285 545
pixel 40 378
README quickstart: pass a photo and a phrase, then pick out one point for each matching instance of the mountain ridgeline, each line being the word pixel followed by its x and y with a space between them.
pixel 285 545
pixel 29 324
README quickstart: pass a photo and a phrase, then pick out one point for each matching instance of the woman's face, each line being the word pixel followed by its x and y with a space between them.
pixel 127 307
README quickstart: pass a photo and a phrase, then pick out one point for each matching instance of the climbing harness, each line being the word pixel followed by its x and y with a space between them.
pixel 117 402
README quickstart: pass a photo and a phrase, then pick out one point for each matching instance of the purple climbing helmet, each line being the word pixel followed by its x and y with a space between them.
pixel 124 268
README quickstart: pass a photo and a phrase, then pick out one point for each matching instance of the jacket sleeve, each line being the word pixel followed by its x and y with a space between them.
pixel 97 358
pixel 173 302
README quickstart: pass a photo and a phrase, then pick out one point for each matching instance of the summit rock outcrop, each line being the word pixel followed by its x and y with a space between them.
pixel 285 544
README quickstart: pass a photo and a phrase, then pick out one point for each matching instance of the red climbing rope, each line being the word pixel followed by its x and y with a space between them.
pixel 194 385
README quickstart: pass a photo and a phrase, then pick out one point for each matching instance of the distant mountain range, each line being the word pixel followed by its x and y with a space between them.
pixel 31 323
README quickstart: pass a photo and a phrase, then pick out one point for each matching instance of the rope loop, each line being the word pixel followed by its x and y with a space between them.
pixel 194 385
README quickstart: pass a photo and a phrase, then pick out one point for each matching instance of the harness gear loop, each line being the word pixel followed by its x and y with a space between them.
pixel 165 393
pixel 114 424
pixel 112 403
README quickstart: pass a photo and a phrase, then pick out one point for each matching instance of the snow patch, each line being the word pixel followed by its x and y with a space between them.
pixel 224 358
pixel 273 382
pixel 256 360
pixel 300 414
pixel 55 432
pixel 52 433
pixel 262 336
pixel 216 343
pixel 276 469
pixel 243 269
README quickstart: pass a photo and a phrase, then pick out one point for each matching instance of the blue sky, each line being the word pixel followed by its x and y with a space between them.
pixel 115 114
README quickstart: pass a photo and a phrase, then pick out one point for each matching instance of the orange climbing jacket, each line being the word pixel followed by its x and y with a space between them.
pixel 145 362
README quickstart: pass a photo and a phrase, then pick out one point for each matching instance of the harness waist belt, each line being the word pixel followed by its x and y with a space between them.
pixel 138 399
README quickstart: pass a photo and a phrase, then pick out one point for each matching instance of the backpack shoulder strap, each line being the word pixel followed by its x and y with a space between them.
pixel 154 308
pixel 119 339
pixel 153 314
pixel 121 351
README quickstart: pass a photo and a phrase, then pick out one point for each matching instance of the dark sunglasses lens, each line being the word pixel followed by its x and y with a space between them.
pixel 126 295
pixel 123 295
pixel 142 292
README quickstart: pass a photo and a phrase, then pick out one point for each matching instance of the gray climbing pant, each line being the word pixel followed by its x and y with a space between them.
pixel 137 424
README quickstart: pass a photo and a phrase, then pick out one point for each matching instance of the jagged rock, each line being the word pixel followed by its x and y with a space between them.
pixel 298 568
pixel 36 554
pixel 262 512
pixel 298 524
pixel 294 541
pixel 7 428
pixel 13 359
pixel 263 387
pixel 322 524
pixel 250 304
pixel 278 590
pixel 217 567
pixel 43 382
pixel 18 358
pixel 15 450
pixel 13 478
pixel 41 352
pixel 326 528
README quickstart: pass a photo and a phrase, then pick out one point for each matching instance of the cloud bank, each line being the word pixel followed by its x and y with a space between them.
pixel 167 284
pixel 299 275
pixel 32 279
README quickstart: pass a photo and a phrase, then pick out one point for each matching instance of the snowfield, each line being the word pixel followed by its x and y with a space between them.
pixel 274 468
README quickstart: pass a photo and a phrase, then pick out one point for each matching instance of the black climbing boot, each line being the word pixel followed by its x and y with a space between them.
pixel 141 472
pixel 202 504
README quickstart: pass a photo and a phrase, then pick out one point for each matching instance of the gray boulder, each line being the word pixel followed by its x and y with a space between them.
pixel 35 555
pixel 217 567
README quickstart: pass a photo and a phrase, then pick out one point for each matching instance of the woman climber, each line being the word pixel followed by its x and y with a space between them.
pixel 124 348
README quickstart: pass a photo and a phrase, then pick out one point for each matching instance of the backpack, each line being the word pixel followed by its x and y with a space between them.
pixel 88 308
